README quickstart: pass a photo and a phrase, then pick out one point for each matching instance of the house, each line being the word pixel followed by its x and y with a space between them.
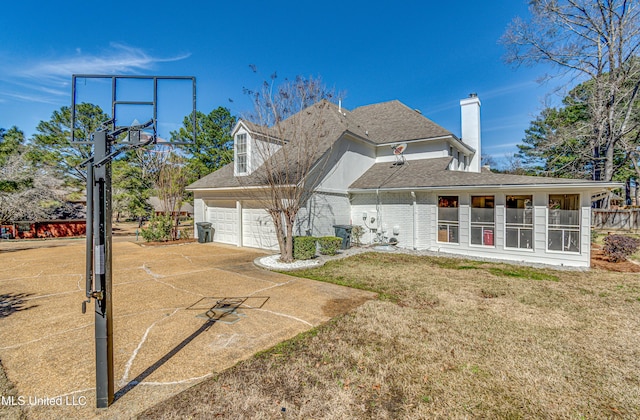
pixel 159 207
pixel 404 178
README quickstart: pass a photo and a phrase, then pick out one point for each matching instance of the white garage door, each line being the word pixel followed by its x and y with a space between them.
pixel 257 227
pixel 223 217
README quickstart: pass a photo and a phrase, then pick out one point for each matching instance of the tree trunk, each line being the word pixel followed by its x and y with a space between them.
pixel 277 224
pixel 288 253
pixel 609 159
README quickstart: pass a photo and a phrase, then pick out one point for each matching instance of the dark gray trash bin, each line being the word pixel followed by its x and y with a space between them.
pixel 205 232
pixel 344 232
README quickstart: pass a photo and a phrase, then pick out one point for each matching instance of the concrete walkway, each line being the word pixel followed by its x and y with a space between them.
pixel 181 314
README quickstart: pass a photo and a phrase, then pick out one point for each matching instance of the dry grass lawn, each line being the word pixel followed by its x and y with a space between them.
pixel 448 338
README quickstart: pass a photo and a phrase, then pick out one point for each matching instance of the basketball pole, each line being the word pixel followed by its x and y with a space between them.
pixel 99 211
pixel 102 270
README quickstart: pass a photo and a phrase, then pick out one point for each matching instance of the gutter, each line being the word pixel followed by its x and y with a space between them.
pixel 254 187
pixel 590 186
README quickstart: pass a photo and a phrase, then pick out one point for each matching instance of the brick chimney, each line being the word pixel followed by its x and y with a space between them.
pixel 470 121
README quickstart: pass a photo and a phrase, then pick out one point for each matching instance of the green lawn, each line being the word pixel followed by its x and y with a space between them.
pixel 447 338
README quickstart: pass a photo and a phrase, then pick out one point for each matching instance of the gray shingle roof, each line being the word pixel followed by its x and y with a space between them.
pixel 379 123
pixel 393 121
pixel 433 173
pixel 308 134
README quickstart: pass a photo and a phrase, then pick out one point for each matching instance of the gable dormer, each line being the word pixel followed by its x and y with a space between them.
pixel 241 151
pixel 251 147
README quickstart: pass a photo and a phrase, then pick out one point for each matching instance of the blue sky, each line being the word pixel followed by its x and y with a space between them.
pixel 427 54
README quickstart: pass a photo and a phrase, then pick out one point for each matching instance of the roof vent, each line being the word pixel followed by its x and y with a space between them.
pixel 418 111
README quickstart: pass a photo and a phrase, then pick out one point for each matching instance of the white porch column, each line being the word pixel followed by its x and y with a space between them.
pixel 239 216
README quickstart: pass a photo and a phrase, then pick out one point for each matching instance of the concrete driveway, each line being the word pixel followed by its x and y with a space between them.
pixel 181 314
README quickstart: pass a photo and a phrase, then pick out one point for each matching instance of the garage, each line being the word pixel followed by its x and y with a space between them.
pixel 223 217
pixel 258 230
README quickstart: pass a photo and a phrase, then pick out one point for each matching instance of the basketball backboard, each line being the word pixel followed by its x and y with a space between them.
pixel 135 109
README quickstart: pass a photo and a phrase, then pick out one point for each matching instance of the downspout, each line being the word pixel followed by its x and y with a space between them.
pixel 415 220
pixel 379 211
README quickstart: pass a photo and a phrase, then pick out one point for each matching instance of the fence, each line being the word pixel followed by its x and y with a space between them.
pixel 625 219
pixel 43 229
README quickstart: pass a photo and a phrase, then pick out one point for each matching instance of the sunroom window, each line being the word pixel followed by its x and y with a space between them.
pixel 448 219
pixel 241 153
pixel 483 220
pixel 564 222
pixel 519 222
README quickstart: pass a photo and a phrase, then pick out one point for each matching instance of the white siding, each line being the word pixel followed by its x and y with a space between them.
pixel 396 209
pixel 391 211
pixel 348 161
pixel 365 204
pixel 418 150
pixel 199 209
pixel 321 213
pixel 425 221
pixel 498 233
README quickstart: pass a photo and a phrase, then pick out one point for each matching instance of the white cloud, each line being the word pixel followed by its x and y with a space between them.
pixel 508 89
pixel 48 80
pixel 119 58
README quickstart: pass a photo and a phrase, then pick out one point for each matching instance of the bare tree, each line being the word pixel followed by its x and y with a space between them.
pixel 170 185
pixel 292 129
pixel 596 41
pixel 24 189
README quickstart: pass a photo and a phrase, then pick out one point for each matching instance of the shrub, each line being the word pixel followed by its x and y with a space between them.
pixel 329 245
pixel 304 247
pixel 158 229
pixel 618 247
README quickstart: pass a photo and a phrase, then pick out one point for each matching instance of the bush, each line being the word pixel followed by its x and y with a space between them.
pixel 158 229
pixel 329 245
pixel 304 247
pixel 619 247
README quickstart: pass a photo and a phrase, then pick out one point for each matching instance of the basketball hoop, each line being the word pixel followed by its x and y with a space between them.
pixel 122 132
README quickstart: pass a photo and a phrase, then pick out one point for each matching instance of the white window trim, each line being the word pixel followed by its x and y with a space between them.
pixel 533 229
pixel 578 228
pixel 236 172
pixel 447 222
pixel 483 227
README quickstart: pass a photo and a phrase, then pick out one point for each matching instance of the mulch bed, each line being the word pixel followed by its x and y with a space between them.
pixel 166 243
pixel 599 260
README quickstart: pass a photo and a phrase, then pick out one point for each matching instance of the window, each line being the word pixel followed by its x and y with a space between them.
pixel 563 230
pixel 519 222
pixel 448 219
pixel 466 162
pixel 241 153
pixel 483 220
